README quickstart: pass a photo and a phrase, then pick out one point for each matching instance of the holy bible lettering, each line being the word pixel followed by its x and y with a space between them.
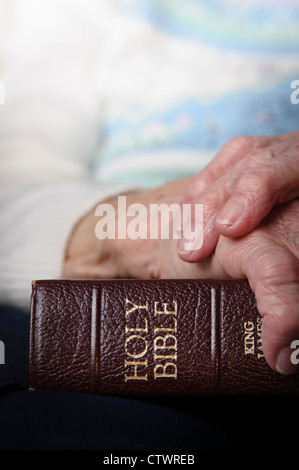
pixel 164 340
pixel 149 337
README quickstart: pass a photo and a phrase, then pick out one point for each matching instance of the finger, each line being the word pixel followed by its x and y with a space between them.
pixel 210 189
pixel 257 191
pixel 198 233
pixel 231 152
pixel 273 273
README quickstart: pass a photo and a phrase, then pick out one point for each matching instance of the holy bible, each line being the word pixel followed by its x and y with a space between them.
pixel 149 337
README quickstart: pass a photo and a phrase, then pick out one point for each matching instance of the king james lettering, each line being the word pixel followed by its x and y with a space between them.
pixel 253 338
pixel 249 337
pixel 161 341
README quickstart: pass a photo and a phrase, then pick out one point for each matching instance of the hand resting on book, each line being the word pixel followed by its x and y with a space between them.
pixel 267 255
pixel 246 179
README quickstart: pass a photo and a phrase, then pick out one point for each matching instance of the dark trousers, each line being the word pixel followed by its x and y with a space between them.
pixel 51 420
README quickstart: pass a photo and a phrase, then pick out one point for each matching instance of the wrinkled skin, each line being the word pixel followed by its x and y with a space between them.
pixel 239 188
pixel 260 244
pixel 247 177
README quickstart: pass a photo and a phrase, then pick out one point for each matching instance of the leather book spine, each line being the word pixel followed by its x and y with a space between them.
pixel 149 337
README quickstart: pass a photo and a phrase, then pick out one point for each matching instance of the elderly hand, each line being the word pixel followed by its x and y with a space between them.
pixel 240 186
pixel 267 256
pixel 251 229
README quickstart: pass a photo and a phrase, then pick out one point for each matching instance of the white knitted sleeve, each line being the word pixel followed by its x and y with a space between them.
pixel 48 133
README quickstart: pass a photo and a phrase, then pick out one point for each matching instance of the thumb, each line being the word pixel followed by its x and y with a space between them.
pixel 273 273
pixel 278 303
pixel 277 296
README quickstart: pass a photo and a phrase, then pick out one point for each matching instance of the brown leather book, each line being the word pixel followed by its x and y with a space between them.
pixel 149 337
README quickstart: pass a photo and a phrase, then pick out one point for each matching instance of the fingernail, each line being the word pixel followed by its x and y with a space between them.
pixel 231 211
pixel 284 364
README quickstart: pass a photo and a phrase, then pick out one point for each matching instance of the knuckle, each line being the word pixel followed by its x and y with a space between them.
pixel 241 140
pixel 289 162
pixel 277 286
pixel 240 144
pixel 259 156
pixel 212 199
pixel 252 179
pixel 202 180
pixel 293 148
pixel 282 224
pixel 255 183
pixel 280 273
